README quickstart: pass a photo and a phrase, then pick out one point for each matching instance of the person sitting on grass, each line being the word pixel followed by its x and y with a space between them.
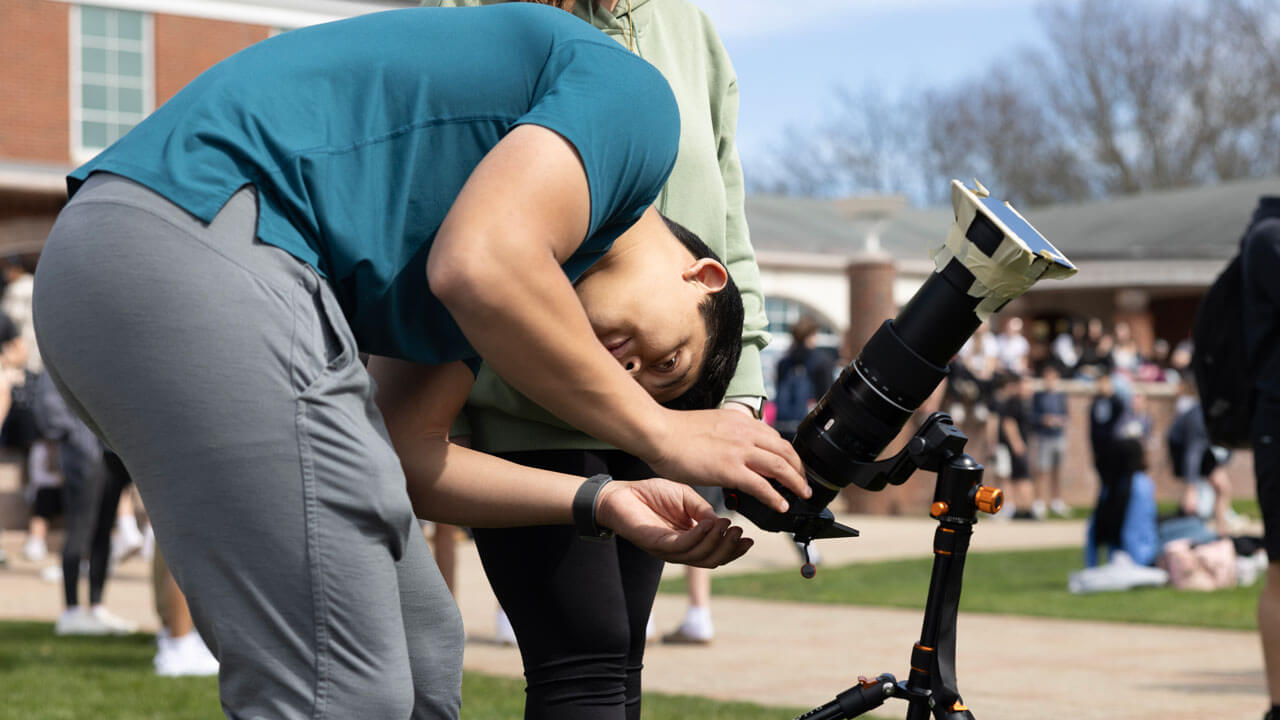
pixel 393 185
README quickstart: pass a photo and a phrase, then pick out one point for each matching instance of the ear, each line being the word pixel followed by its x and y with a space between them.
pixel 708 273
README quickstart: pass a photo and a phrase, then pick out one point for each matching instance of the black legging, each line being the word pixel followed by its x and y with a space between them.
pixel 91 494
pixel 578 608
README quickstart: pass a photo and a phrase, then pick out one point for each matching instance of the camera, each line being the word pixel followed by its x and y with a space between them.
pixel 990 256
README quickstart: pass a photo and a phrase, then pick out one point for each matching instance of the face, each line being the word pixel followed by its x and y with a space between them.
pixel 642 300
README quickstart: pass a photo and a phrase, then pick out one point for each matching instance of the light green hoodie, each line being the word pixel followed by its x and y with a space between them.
pixel 704 193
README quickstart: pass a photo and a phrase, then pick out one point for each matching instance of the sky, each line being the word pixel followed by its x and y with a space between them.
pixel 791 54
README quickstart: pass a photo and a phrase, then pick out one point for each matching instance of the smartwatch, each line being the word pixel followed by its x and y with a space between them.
pixel 584 509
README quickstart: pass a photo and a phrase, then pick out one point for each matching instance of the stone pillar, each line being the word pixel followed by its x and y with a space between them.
pixel 1132 307
pixel 871 278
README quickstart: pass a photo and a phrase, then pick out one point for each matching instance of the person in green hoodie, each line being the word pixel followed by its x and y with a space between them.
pixel 579 609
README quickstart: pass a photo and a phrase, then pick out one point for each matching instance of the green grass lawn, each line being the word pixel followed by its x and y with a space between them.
pixel 1017 583
pixel 73 678
pixel 1165 508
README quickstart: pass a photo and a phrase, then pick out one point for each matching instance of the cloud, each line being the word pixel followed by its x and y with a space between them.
pixel 740 19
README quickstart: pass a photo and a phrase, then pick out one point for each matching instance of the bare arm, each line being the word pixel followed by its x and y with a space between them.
pixel 495 265
pixel 453 484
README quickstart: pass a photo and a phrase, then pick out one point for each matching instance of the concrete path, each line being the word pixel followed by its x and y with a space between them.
pixel 801 655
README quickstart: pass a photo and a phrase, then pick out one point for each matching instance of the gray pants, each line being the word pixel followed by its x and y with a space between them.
pixel 222 371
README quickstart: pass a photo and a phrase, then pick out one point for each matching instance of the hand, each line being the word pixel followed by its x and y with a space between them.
pixel 729 449
pixel 670 521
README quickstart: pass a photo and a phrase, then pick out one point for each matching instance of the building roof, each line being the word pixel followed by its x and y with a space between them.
pixel 1194 223
pixel 1202 223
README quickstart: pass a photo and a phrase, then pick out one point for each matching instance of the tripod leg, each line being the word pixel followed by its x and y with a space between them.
pixel 864 697
pixel 932 684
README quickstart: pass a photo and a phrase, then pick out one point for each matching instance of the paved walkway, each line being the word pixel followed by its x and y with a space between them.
pixel 1010 668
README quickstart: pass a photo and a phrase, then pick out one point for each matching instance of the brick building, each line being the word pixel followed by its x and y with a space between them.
pixel 74 77
pixel 77 76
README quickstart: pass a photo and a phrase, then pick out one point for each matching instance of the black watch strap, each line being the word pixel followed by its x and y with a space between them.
pixel 584 509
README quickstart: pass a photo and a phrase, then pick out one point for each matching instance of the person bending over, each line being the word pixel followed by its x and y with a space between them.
pixel 387 185
pixel 583 659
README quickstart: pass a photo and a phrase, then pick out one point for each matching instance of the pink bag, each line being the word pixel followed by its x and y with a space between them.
pixel 1209 566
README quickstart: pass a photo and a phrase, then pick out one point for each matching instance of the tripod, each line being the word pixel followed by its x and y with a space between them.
pixel 930 688
pixel 991 256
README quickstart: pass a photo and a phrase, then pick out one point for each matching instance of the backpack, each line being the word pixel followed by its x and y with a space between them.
pixel 795 389
pixel 1219 361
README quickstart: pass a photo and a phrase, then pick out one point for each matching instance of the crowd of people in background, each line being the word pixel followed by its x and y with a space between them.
pixel 1009 393
pixel 1007 390
pixel 72 483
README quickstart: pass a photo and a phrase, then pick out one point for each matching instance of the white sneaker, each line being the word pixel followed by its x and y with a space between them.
pixel 503 633
pixel 35 549
pixel 125 545
pixel 1059 508
pixel 51 574
pixel 1039 510
pixel 115 624
pixel 78 621
pixel 696 629
pixel 183 656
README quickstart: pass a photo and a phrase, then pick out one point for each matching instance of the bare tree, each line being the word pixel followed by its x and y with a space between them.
pixel 1156 93
pixel 998 128
pixel 1125 97
pixel 861 147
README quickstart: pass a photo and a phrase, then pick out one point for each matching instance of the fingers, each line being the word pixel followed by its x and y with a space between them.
pixel 773 457
pixel 771 466
pixel 673 523
pixel 696 507
pixel 755 484
pixel 717 543
pixel 774 443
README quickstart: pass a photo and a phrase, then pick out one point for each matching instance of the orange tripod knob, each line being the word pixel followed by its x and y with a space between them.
pixel 988 499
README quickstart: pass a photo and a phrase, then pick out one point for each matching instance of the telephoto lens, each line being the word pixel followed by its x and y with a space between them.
pixel 990 256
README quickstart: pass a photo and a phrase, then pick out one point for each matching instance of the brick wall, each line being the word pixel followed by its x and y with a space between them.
pixel 34 83
pixel 35 91
pixel 186 47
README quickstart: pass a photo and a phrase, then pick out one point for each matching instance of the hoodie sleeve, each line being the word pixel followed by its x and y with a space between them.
pixel 740 257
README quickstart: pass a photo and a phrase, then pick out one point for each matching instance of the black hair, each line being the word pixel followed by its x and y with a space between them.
pixel 722 314
pixel 1005 378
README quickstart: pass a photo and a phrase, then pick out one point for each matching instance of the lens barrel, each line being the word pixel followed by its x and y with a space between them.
pixel 896 371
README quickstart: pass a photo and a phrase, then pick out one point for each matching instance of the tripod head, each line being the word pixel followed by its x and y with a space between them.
pixel 990 256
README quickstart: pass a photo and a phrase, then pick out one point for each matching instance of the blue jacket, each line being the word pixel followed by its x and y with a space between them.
pixel 1138 534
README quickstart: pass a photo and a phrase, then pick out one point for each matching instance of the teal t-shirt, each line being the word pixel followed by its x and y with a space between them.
pixel 358 135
